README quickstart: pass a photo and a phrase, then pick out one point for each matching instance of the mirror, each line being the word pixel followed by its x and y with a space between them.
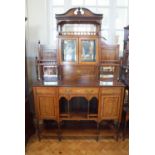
pixel 88 53
pixel 68 50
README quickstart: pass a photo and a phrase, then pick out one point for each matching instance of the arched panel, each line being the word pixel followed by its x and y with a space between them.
pixel 63 105
pixel 93 105
pixel 78 105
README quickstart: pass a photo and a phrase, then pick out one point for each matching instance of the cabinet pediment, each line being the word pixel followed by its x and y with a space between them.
pixel 81 14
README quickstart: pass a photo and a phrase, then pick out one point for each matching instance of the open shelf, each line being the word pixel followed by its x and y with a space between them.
pixel 78 108
pixel 49 129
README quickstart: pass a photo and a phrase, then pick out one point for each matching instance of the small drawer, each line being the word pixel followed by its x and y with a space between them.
pixel 78 90
pixel 114 90
pixel 46 90
pixel 93 90
pixel 63 90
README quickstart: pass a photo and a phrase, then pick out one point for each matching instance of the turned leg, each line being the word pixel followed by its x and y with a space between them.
pixel 59 131
pixel 38 129
pixel 98 131
pixel 117 129
pixel 124 129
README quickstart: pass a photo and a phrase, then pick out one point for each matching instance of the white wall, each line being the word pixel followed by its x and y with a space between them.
pixel 36 29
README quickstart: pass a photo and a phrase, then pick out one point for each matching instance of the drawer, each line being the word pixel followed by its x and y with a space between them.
pixel 46 90
pixel 84 90
pixel 63 90
pixel 78 90
pixel 113 90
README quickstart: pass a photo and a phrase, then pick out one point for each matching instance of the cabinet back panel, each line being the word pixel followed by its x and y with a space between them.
pixel 78 73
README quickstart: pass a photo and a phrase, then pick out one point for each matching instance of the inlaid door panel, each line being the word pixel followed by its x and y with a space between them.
pixel 110 106
pixel 47 106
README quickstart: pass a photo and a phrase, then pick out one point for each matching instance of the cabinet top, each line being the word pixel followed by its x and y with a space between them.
pixel 81 83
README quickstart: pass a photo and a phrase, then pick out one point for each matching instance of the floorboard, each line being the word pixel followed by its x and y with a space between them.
pixel 77 147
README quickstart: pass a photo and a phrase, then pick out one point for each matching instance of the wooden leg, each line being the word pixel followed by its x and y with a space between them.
pixel 38 130
pixel 126 119
pixel 117 130
pixel 98 131
pixel 124 129
pixel 59 131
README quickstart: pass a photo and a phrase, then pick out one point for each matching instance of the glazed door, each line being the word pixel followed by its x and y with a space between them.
pixel 88 50
pixel 68 50
pixel 46 106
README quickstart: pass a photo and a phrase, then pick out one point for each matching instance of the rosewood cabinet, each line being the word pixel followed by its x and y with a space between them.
pixel 87 70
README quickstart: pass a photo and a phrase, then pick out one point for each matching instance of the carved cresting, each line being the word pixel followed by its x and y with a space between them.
pixel 79 11
pixel 79 14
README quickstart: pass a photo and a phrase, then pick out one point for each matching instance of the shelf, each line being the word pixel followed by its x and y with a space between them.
pixel 93 116
pixel 74 116
pixel 78 133
pixel 64 115
pixel 81 116
pixel 49 129
pixel 106 73
pixel 78 33
pixel 47 63
pixel 125 66
pixel 110 62
pixel 49 133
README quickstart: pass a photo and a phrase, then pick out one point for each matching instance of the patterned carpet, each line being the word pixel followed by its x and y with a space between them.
pixel 77 147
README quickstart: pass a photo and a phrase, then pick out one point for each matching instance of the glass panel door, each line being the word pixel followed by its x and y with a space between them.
pixel 68 51
pixel 88 51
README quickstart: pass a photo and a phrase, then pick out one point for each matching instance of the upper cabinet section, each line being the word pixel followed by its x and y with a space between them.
pixel 78 36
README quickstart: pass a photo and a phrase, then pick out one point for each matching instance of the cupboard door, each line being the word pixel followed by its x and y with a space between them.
pixel 110 106
pixel 47 106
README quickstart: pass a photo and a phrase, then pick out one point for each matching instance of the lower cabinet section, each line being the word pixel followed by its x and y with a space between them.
pixel 78 104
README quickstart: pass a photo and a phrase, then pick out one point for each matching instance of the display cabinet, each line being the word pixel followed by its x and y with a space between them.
pixel 87 71
pixel 79 35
